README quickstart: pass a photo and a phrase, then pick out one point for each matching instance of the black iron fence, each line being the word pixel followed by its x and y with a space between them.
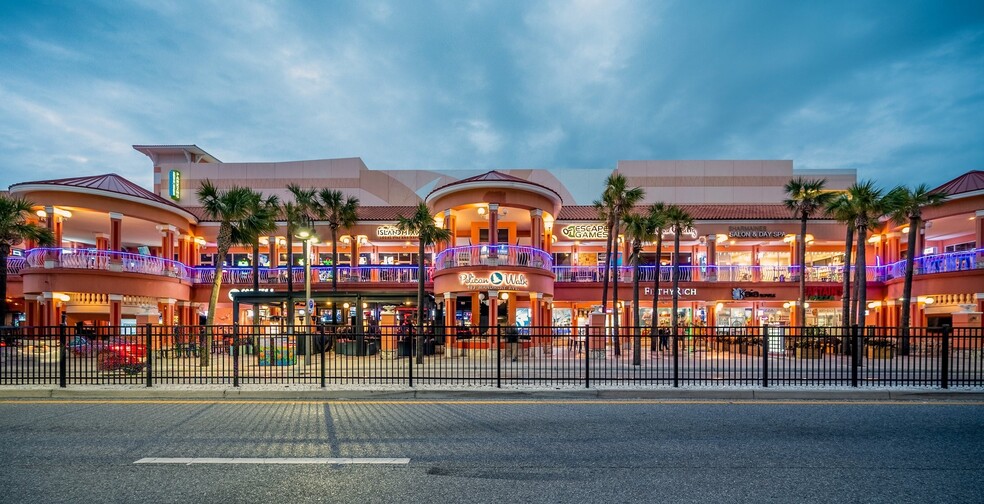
pixel 766 356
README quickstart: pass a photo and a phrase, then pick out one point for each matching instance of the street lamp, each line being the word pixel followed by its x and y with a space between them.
pixel 307 238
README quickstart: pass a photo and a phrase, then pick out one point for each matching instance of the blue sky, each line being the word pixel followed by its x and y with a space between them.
pixel 892 89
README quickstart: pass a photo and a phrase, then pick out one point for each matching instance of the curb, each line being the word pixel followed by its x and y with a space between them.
pixel 233 394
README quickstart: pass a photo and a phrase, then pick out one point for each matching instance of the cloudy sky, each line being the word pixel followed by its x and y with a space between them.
pixel 893 89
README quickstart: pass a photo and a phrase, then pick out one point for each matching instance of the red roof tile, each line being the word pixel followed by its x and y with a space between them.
pixel 699 212
pixel 366 213
pixel 970 181
pixel 109 182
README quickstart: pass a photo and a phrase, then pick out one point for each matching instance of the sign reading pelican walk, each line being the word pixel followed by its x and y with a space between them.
pixel 496 279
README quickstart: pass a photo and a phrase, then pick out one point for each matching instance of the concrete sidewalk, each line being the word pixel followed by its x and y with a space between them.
pixel 308 393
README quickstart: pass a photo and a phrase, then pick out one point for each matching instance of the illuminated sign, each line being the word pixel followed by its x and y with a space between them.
pixel 753 232
pixel 738 294
pixel 648 291
pixel 600 232
pixel 585 231
pixel 496 279
pixel 234 290
pixel 174 185
pixel 391 231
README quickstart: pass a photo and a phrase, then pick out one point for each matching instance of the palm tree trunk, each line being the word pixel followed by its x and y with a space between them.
pixel 862 281
pixel 334 259
pixel 256 285
pixel 614 242
pixel 4 253
pixel 637 340
pixel 846 294
pixel 801 248
pixel 608 263
pixel 421 274
pixel 223 242
pixel 659 255
pixel 290 279
pixel 910 260
pixel 676 281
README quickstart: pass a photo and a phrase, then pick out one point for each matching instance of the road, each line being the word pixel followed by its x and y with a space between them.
pixel 493 451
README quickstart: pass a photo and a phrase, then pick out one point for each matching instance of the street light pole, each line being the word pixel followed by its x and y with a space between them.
pixel 309 304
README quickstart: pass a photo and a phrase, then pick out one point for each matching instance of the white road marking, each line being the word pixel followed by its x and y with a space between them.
pixel 299 460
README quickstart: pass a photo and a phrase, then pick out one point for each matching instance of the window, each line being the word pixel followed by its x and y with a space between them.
pixel 503 236
pixel 959 247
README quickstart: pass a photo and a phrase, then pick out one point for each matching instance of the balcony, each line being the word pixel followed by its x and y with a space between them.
pixel 493 256
pixel 104 260
pixel 320 275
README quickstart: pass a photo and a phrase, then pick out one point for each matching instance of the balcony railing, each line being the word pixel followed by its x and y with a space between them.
pixel 106 260
pixel 320 275
pixel 489 255
pixel 475 256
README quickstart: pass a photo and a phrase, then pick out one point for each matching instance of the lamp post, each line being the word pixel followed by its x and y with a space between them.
pixel 308 237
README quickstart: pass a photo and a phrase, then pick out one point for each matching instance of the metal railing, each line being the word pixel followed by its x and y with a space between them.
pixel 106 260
pixel 763 356
pixel 492 255
pixel 479 255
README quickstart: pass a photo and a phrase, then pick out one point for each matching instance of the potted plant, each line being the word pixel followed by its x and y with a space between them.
pixel 880 348
pixel 808 348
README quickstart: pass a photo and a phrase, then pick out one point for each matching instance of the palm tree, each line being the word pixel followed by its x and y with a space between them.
pixel 869 204
pixel 338 211
pixel 421 223
pixel 806 198
pixel 15 228
pixel 234 209
pixel 638 230
pixel 297 214
pixel 841 208
pixel 657 215
pixel 617 200
pixel 263 220
pixel 906 206
pixel 679 221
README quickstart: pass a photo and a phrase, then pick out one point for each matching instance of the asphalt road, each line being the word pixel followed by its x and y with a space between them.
pixel 495 451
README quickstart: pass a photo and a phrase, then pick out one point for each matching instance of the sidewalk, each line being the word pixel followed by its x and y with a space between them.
pixel 382 393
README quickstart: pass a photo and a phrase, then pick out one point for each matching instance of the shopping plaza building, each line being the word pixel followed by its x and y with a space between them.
pixel 528 247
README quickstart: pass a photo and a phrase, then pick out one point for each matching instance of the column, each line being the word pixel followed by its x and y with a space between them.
pixel 920 241
pixel 476 304
pixel 102 241
pixel 979 227
pixel 711 258
pixel 493 226
pixel 272 251
pixel 54 222
pixel 115 309
pixel 450 325
pixel 115 231
pixel 493 318
pixel 756 265
pixel 167 242
pixel 355 252
pixel 47 311
pixel 536 228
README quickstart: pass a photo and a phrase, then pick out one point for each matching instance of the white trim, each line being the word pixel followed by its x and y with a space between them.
pixel 190 217
pixel 494 184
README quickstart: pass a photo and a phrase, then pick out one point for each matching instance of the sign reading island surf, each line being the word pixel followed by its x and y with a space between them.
pixel 496 279
pixel 391 231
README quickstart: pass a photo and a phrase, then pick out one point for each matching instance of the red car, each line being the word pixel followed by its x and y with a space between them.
pixel 111 354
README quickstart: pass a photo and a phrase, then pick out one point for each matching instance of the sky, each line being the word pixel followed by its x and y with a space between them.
pixel 893 89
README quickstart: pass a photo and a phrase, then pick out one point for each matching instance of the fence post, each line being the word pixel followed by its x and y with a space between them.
pixel 235 354
pixel 765 355
pixel 62 354
pixel 945 358
pixel 149 345
pixel 676 358
pixel 498 360
pixel 324 341
pixel 587 358
pixel 855 353
pixel 413 355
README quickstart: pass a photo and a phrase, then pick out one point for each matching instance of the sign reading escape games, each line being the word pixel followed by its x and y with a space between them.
pixel 496 279
pixel 391 231
pixel 585 231
pixel 754 232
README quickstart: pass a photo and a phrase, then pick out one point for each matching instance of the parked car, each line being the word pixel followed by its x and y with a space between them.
pixel 111 354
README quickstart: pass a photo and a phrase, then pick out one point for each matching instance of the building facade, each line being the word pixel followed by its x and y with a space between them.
pixel 528 248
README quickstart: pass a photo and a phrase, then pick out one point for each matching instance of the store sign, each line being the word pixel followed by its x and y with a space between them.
pixel 739 294
pixel 754 232
pixel 600 232
pixel 585 231
pixel 391 231
pixel 648 291
pixel 234 290
pixel 174 185
pixel 825 293
pixel 496 279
